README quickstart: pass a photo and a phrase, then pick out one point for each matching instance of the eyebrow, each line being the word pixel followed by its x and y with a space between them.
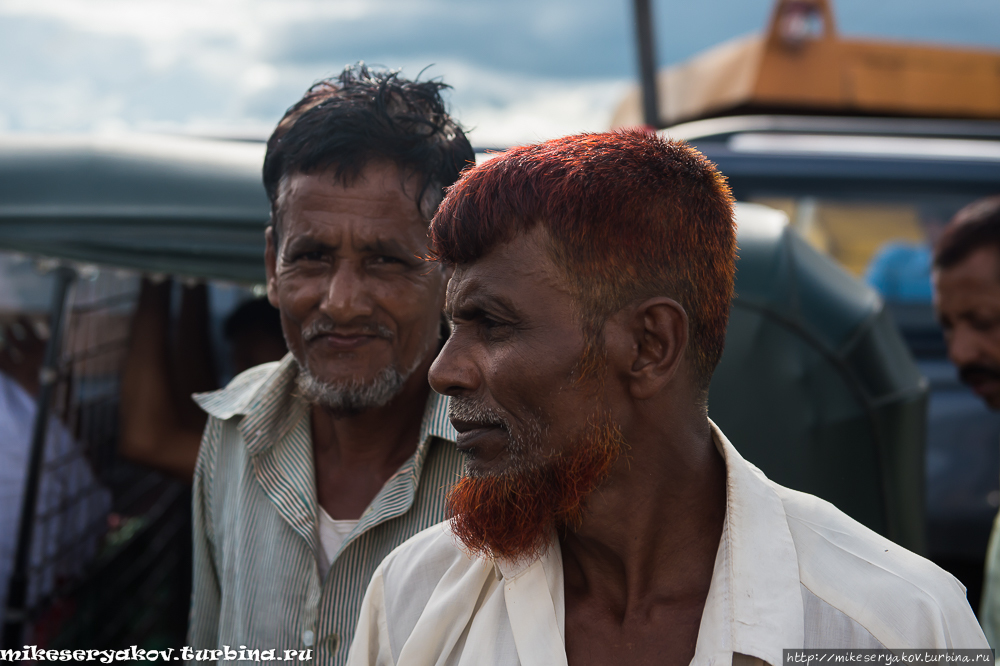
pixel 385 246
pixel 482 301
pixel 377 246
pixel 306 242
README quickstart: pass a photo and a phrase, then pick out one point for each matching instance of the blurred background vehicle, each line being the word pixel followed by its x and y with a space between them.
pixel 873 194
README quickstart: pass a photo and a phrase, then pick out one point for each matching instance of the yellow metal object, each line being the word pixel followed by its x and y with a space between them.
pixel 802 65
pixel 851 232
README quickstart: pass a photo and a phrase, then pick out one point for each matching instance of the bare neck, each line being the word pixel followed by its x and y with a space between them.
pixel 355 455
pixel 652 531
pixel 376 436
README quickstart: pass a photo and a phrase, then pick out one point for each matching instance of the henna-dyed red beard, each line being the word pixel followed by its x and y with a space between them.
pixel 512 515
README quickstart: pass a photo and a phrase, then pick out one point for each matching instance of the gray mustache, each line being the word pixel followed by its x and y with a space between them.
pixel 467 409
pixel 327 326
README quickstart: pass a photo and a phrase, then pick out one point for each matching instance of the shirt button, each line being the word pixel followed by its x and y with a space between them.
pixel 307 637
pixel 332 642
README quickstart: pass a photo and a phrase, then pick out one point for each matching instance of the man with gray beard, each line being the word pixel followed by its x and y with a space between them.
pixel 313 469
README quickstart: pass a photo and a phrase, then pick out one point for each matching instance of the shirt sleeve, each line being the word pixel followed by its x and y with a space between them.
pixel 371 639
pixel 203 623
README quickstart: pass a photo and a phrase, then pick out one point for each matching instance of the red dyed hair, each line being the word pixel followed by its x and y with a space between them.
pixel 631 216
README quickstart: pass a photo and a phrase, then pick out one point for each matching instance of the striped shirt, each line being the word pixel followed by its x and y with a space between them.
pixel 256 581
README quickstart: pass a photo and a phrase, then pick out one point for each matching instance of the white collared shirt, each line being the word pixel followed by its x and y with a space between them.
pixel 792 571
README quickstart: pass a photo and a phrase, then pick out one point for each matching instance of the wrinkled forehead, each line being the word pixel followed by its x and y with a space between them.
pixel 513 275
pixel 375 171
pixel 375 207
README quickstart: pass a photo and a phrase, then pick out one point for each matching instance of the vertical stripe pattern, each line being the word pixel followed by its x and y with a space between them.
pixel 256 582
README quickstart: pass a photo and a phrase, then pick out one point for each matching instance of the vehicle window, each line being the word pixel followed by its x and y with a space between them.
pixel 110 549
pixel 862 234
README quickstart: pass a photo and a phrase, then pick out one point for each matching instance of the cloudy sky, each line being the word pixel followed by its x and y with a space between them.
pixel 523 70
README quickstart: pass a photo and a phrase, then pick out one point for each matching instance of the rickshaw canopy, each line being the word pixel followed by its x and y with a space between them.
pixel 184 206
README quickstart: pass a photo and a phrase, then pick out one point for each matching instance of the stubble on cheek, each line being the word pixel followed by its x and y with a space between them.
pixel 524 438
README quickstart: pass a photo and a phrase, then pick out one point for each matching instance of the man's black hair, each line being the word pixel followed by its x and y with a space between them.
pixel 975 226
pixel 343 123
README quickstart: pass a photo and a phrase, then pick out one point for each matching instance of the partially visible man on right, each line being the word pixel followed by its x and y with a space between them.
pixel 967 300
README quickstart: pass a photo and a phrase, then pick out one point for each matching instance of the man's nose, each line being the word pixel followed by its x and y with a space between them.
pixel 454 371
pixel 348 294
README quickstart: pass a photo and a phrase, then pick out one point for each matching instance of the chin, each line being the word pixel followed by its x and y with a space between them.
pixel 504 465
pixel 344 366
pixel 349 396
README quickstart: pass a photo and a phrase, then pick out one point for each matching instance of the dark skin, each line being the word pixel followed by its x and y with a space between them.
pixel 160 425
pixel 351 254
pixel 638 569
pixel 967 301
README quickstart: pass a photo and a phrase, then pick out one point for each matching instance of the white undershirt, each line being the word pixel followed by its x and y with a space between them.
pixel 331 535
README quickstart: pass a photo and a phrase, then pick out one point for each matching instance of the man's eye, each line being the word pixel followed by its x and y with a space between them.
pixel 984 324
pixel 494 329
pixel 389 263
pixel 312 255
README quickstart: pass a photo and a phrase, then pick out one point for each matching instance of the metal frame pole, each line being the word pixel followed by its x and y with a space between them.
pixel 16 613
pixel 647 62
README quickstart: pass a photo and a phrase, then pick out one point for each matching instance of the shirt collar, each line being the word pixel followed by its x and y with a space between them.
pixel 266 396
pixel 399 492
pixel 279 442
pixel 246 389
pixel 754 605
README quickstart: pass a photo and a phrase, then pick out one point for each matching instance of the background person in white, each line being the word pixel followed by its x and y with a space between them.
pixel 72 506
pixel 604 519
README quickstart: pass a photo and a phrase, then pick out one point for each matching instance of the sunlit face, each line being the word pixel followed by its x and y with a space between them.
pixel 358 302
pixel 510 364
pixel 537 437
pixel 967 300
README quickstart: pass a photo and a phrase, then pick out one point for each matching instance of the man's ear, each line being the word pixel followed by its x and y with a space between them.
pixel 271 264
pixel 659 336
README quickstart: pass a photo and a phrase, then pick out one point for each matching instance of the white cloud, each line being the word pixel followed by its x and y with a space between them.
pixel 523 70
pixel 209 67
pixel 502 109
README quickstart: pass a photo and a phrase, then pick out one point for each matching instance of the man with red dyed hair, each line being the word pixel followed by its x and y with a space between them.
pixel 604 518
